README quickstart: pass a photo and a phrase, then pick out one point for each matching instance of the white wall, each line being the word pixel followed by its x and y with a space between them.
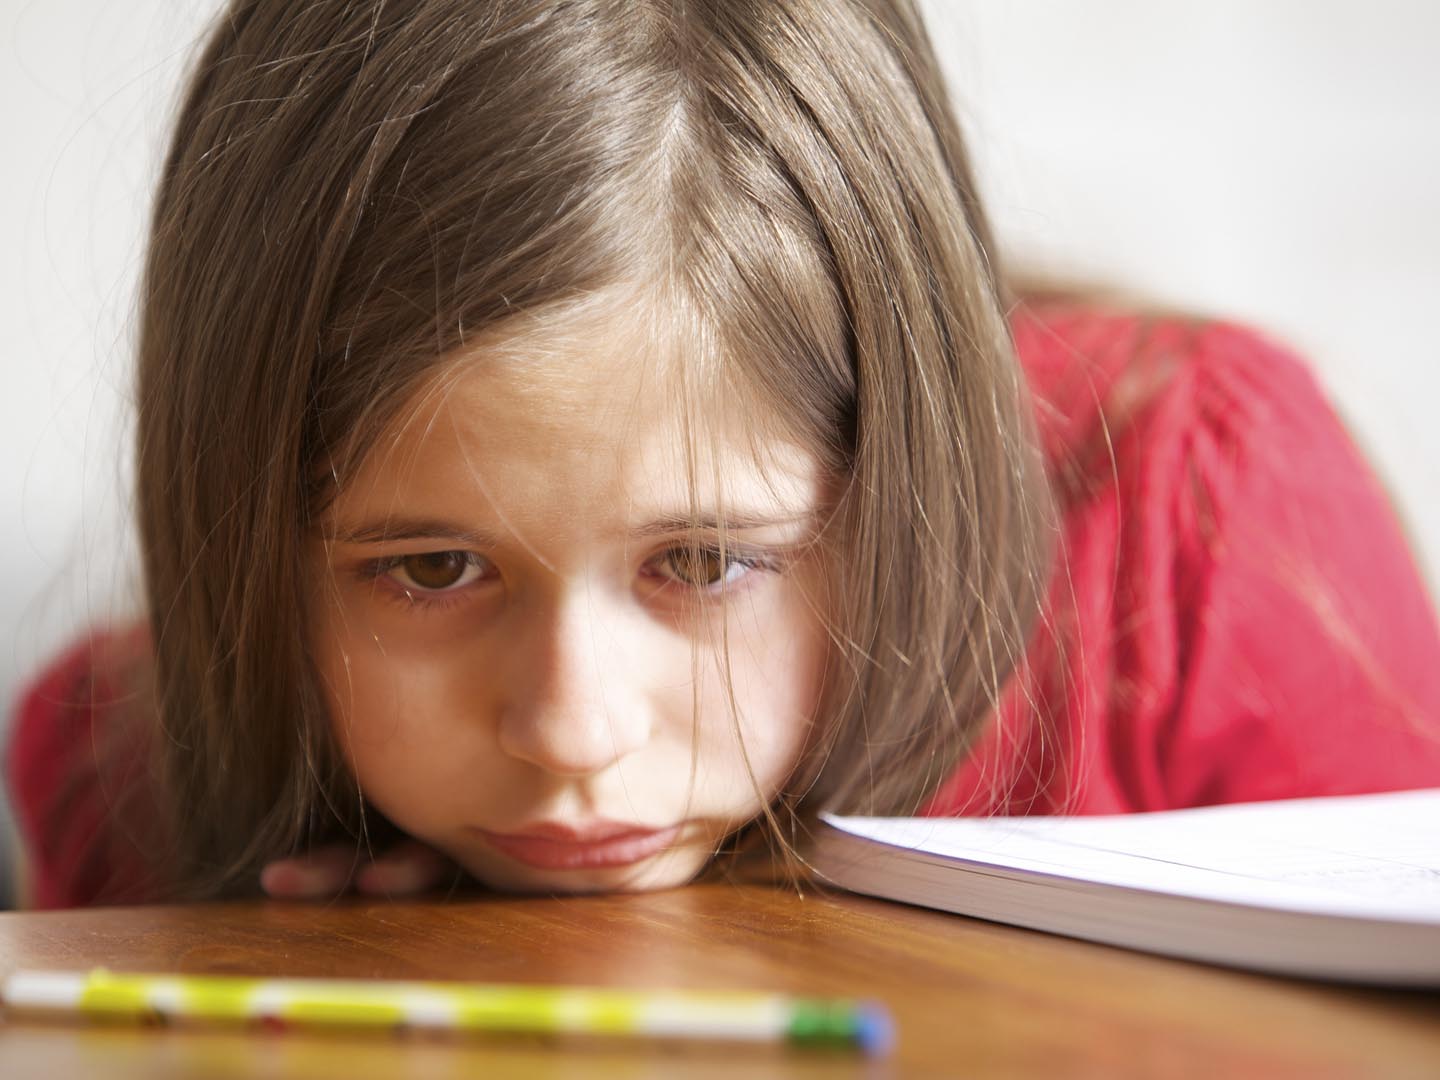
pixel 1275 161
pixel 87 86
pixel 1272 161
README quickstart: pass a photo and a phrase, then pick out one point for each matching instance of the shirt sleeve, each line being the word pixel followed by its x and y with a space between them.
pixel 1306 654
pixel 1234 614
pixel 74 781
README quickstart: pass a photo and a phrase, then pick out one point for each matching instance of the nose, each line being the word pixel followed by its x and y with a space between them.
pixel 573 702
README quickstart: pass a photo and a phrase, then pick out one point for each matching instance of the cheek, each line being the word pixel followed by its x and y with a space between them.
pixel 389 715
pixel 776 665
pixel 378 698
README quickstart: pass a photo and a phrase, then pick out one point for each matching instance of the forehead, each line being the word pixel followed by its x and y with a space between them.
pixel 582 423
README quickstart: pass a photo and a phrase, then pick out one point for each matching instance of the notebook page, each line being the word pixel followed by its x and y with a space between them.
pixel 1366 855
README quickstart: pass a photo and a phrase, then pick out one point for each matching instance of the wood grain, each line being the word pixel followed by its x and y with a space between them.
pixel 970 998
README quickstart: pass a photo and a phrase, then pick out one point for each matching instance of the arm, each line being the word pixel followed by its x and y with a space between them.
pixel 1309 663
pixel 1235 614
pixel 66 780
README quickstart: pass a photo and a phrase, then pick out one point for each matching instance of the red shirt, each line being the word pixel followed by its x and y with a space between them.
pixel 1234 615
pixel 73 773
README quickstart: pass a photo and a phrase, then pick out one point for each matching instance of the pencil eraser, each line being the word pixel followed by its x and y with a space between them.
pixel 874 1030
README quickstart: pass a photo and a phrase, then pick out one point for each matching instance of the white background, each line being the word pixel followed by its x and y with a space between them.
pixel 1271 161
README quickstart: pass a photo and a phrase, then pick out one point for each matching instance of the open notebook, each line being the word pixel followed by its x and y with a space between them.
pixel 1341 888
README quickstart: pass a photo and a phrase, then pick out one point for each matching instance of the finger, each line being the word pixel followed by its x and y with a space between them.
pixel 404 870
pixel 321 873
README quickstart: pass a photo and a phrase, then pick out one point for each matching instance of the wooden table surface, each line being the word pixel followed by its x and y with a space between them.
pixel 970 999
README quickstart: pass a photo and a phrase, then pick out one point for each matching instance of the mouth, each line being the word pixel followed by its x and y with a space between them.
pixel 553 846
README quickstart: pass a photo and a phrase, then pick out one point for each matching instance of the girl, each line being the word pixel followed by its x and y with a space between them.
pixel 578 440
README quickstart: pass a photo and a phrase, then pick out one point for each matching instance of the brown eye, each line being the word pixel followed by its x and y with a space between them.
pixel 435 570
pixel 702 567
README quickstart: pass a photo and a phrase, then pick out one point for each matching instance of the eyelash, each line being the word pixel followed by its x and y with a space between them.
pixel 412 597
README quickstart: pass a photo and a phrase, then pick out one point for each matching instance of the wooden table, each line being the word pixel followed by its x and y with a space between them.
pixel 971 999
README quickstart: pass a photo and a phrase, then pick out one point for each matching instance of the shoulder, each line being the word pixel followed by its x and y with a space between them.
pixel 86 679
pixel 58 709
pixel 1249 620
pixel 72 758
pixel 1209 431
pixel 1103 375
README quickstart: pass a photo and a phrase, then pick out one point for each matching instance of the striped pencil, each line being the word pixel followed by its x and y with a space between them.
pixel 464 1007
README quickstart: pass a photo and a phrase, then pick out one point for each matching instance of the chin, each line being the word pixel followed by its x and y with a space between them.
pixel 668 870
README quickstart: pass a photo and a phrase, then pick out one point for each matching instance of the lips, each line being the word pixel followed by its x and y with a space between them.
pixel 594 845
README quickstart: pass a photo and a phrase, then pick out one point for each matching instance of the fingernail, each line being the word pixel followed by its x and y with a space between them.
pixel 277 879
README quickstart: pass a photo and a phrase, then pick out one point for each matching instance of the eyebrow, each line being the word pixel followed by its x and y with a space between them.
pixel 395 529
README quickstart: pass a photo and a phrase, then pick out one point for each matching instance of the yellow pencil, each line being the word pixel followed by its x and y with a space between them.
pixel 457 1006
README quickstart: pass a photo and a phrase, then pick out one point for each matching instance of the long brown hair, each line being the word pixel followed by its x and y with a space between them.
pixel 355 191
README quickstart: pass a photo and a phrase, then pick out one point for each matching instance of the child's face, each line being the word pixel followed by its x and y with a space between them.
pixel 519 626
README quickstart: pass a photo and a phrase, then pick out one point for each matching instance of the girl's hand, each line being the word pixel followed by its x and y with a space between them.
pixel 406 869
